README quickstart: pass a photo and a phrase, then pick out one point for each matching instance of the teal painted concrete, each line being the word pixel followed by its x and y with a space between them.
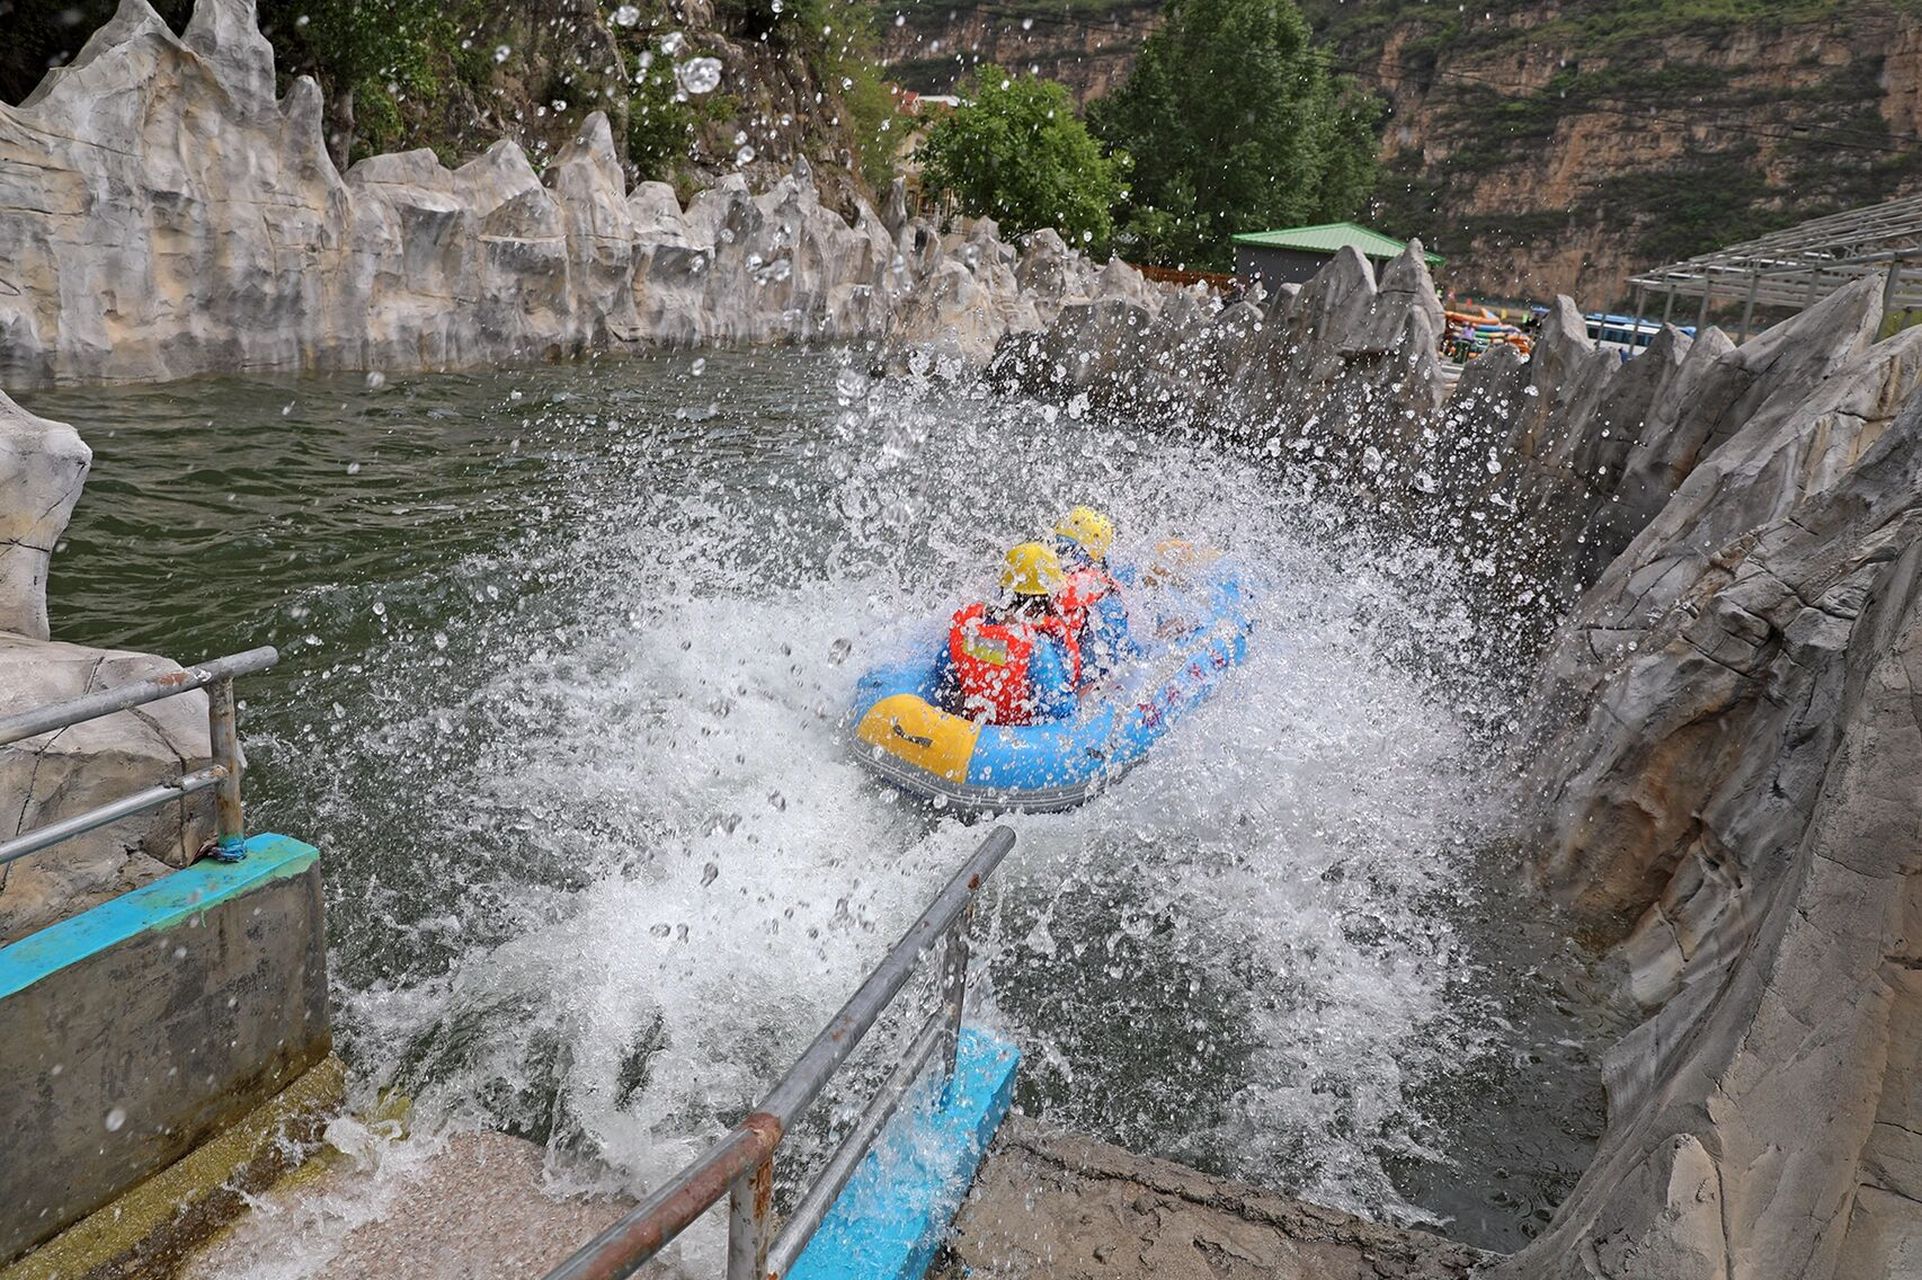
pixel 166 902
pixel 896 1210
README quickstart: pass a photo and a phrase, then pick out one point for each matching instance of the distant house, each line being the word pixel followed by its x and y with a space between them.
pixel 1293 255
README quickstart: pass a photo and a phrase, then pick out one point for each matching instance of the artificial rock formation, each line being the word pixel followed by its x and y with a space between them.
pixel 1724 748
pixel 56 775
pixel 1745 786
pixel 59 774
pixel 166 215
pixel 42 467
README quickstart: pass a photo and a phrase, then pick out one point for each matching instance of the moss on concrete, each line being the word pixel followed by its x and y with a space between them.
pixel 150 1230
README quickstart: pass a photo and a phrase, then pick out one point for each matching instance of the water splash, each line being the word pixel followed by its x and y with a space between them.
pixel 583 916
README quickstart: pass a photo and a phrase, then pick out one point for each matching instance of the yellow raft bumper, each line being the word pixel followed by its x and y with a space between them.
pixel 923 736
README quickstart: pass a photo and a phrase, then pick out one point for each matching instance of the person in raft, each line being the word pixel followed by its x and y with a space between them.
pixel 1014 661
pixel 1091 598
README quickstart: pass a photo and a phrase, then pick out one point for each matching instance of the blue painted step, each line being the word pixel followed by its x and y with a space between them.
pixel 896 1209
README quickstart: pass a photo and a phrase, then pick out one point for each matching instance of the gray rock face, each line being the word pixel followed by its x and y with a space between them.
pixel 60 774
pixel 42 467
pixel 1061 1206
pixel 1727 734
pixel 229 241
pixel 1723 756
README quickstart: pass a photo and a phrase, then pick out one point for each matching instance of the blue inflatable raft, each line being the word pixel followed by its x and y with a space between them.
pixel 903 736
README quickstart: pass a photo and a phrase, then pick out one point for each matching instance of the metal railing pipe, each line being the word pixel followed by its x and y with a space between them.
pixel 750 1222
pixel 649 1225
pixel 81 823
pixel 223 737
pixel 954 984
pixel 645 1229
pixel 833 1178
pixel 811 1071
pixel 92 706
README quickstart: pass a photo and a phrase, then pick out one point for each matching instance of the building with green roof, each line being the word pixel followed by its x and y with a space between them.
pixel 1294 254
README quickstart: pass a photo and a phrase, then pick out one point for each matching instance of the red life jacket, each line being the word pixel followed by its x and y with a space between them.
pixel 991 663
pixel 1084 587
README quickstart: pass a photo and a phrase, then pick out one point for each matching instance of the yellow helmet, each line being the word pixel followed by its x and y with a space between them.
pixel 1031 570
pixel 1093 530
pixel 1176 558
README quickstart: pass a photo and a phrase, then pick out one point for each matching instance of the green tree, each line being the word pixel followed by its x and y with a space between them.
pixel 1016 152
pixel 363 53
pixel 1235 123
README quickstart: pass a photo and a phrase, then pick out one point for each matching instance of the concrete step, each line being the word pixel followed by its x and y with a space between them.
pixel 1059 1206
pixel 474 1206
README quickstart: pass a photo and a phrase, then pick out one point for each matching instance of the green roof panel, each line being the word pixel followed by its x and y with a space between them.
pixel 1330 237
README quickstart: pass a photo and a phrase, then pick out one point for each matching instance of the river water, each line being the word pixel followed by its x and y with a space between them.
pixel 564 652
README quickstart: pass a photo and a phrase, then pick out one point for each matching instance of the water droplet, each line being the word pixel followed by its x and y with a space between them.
pixel 500 52
pixel 353 468
pixel 376 379
pixel 838 651
pixel 699 75
pixel 700 366
pixel 850 384
pixel 627 15
pixel 672 43
pixel 380 608
pixel 115 1119
pixel 708 874
pixel 744 156
pixel 440 639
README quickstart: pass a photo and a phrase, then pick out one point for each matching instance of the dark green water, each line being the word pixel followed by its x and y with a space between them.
pixel 563 655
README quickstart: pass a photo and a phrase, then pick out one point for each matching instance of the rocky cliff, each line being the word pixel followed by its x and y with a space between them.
pixel 1090 47
pixel 1559 148
pixel 1719 758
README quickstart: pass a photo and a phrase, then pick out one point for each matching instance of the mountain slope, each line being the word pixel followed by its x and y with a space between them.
pixel 1549 147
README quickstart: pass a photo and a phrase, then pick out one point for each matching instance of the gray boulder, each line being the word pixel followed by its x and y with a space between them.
pixel 57 775
pixel 43 465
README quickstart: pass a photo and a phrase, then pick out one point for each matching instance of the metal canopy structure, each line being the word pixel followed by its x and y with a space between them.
pixel 1799 266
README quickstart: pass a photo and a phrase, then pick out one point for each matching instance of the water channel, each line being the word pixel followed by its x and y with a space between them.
pixel 564 655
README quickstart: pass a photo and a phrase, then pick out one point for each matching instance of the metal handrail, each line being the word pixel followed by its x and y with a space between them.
pixel 217 677
pixel 741 1165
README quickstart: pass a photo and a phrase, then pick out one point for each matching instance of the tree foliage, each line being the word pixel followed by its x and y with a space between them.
pixel 1016 152
pixel 366 54
pixel 1235 123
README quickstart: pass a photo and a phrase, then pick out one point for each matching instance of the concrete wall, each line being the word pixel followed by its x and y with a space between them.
pixel 133 1032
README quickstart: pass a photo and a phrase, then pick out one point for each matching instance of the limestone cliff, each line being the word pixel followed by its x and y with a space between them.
pixel 1558 148
pixel 1089 48
pixel 1549 148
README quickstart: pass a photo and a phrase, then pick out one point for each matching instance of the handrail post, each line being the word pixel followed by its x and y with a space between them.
pixel 750 1214
pixel 954 985
pixel 223 734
